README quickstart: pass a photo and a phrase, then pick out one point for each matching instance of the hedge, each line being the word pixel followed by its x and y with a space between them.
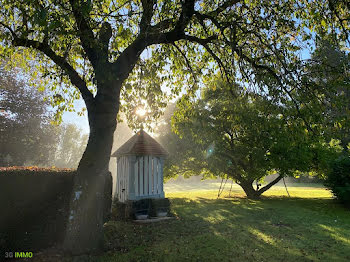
pixel 34 206
pixel 338 179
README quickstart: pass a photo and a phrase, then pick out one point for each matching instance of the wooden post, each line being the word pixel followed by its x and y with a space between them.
pixel 157 175
pixel 161 177
pixel 146 175
pixel 116 192
pixel 150 175
pixel 136 177
pixel 141 176
pixel 122 178
pixel 154 175
pixel 131 178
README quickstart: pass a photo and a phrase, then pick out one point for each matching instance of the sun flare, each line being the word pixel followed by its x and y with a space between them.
pixel 141 112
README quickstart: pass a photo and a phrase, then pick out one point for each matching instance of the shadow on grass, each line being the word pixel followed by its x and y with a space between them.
pixel 273 229
pixel 237 229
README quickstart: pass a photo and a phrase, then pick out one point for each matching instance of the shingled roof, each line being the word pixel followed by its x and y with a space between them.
pixel 141 144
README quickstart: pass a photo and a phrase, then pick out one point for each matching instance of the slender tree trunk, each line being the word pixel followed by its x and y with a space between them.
pixel 269 185
pixel 91 195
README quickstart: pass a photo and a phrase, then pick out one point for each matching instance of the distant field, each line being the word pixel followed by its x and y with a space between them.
pixel 192 185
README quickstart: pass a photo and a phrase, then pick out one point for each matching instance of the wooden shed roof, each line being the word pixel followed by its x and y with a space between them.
pixel 140 144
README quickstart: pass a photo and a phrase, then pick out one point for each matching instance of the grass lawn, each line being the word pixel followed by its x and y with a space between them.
pixel 309 226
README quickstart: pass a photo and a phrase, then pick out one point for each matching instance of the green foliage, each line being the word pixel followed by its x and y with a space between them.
pixel 32 170
pixel 243 135
pixel 181 150
pixel 254 42
pixel 143 91
pixel 338 179
pixel 267 137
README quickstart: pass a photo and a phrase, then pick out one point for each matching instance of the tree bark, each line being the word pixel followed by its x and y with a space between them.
pixel 251 193
pixel 269 185
pixel 249 190
pixel 91 195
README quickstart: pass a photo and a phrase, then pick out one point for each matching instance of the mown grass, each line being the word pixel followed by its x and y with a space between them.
pixel 309 226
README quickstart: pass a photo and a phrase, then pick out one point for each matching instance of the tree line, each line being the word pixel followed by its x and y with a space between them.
pixel 27 135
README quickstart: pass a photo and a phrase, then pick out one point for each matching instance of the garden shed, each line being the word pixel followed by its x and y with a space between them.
pixel 140 163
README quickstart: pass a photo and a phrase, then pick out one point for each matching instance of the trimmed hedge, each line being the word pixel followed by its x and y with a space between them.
pixel 34 206
pixel 338 179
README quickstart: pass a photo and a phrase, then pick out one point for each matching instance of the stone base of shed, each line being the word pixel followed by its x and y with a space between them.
pixel 152 220
pixel 140 209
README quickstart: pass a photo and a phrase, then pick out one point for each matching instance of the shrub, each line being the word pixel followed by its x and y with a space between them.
pixel 338 179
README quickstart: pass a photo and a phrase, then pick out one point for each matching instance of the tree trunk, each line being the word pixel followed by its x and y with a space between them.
pixel 91 195
pixel 255 194
pixel 249 190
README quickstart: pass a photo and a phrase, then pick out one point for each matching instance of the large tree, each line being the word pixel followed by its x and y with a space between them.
pixel 94 46
pixel 243 136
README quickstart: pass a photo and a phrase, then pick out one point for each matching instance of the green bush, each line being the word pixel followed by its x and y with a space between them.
pixel 338 179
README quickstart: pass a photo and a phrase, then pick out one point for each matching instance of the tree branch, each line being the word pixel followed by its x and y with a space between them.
pixel 162 26
pixel 157 37
pixel 185 16
pixel 85 32
pixel 187 61
pixel 127 60
pixel 105 35
pixel 333 8
pixel 268 186
pixel 204 42
pixel 279 81
pixel 147 6
pixel 61 62
pixel 222 7
pixel 8 28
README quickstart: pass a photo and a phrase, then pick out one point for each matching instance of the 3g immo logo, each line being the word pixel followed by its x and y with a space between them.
pixel 18 254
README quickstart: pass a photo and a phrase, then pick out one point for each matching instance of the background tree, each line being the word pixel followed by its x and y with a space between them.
pixel 95 45
pixel 327 75
pixel 244 136
pixel 71 146
pixel 181 150
pixel 26 135
pixel 326 96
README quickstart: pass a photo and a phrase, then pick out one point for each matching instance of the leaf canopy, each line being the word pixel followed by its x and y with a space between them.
pixel 84 43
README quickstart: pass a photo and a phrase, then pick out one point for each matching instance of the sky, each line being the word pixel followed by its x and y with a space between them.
pixel 73 118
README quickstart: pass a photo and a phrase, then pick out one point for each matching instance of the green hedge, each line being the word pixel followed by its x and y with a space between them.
pixel 34 206
pixel 338 179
